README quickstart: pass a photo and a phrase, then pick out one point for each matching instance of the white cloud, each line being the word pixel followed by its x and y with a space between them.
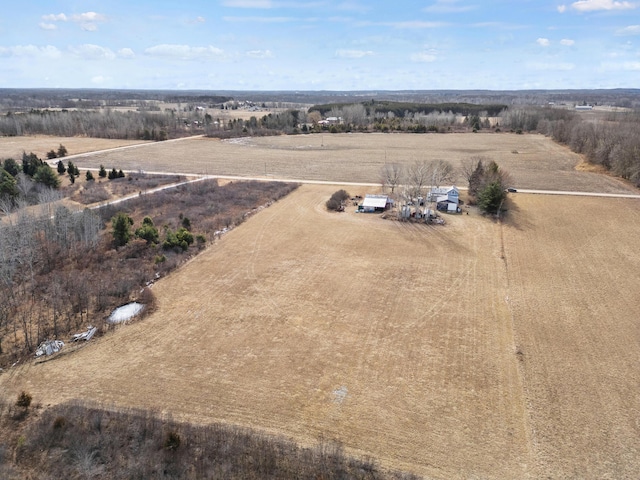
pixel 625 66
pixel 52 17
pixel 342 53
pixel 351 6
pixel 567 42
pixel 86 20
pixel 542 66
pixel 185 52
pixel 261 19
pixel 268 4
pixel 88 17
pixel 448 6
pixel 126 53
pixel 414 24
pixel 424 57
pixel 595 5
pixel 260 54
pixel 47 26
pixel 99 79
pixel 248 3
pixel 630 30
pixel 562 8
pixel 543 42
pixel 93 52
pixel 30 51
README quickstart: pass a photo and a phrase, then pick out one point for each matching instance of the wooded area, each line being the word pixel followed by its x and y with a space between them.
pixel 612 140
pixel 60 268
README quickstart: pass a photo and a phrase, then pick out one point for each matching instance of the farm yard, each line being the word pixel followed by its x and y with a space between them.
pixel 474 350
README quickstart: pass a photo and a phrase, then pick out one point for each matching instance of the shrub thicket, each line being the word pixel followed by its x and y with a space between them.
pixel 78 441
pixel 336 202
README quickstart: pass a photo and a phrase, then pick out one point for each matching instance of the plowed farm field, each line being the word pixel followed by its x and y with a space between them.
pixel 470 350
pixel 534 161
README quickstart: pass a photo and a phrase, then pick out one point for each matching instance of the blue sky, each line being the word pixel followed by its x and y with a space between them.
pixel 320 44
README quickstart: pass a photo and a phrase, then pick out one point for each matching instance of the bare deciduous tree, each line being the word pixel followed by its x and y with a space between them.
pixel 392 175
pixel 441 172
pixel 469 165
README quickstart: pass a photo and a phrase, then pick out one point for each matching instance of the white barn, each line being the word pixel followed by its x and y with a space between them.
pixel 375 203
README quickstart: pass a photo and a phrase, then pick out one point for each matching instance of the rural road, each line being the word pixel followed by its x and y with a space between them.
pixel 347 184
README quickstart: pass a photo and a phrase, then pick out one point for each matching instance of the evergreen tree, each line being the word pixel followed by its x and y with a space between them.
pixel 61 168
pixel 47 176
pixel 30 163
pixel 11 166
pixel 491 198
pixel 148 231
pixel 102 172
pixel 121 224
pixel 89 176
pixel 62 151
pixel 51 154
pixel 476 180
pixel 8 184
pixel 72 169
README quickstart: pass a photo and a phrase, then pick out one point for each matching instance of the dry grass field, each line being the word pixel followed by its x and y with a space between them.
pixel 12 147
pixel 471 350
pixel 392 338
pixel 539 163
pixel 574 293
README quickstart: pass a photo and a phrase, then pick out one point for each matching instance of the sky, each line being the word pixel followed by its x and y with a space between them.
pixel 320 44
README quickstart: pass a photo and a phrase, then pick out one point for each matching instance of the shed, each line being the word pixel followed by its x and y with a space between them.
pixel 376 203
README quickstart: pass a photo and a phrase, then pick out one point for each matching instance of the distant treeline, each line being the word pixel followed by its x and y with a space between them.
pixel 99 124
pixel 25 99
pixel 401 109
pixel 613 141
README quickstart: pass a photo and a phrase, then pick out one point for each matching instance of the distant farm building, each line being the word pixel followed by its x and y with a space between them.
pixel 584 107
pixel 375 203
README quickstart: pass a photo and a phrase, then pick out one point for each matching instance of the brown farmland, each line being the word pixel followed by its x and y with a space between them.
pixel 472 350
pixel 534 161
pixel 13 147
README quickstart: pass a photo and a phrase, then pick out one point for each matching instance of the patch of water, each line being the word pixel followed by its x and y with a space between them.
pixel 125 312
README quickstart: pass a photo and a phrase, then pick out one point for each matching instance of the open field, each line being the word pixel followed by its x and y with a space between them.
pixel 12 147
pixel 305 331
pixel 574 293
pixel 473 350
pixel 539 162
pixel 465 351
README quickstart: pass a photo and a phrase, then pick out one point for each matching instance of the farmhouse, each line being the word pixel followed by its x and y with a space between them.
pixel 375 203
pixel 447 199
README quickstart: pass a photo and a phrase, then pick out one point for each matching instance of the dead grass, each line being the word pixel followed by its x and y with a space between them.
pixel 462 351
pixel 12 147
pixel 539 163
pixel 391 338
pixel 573 294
